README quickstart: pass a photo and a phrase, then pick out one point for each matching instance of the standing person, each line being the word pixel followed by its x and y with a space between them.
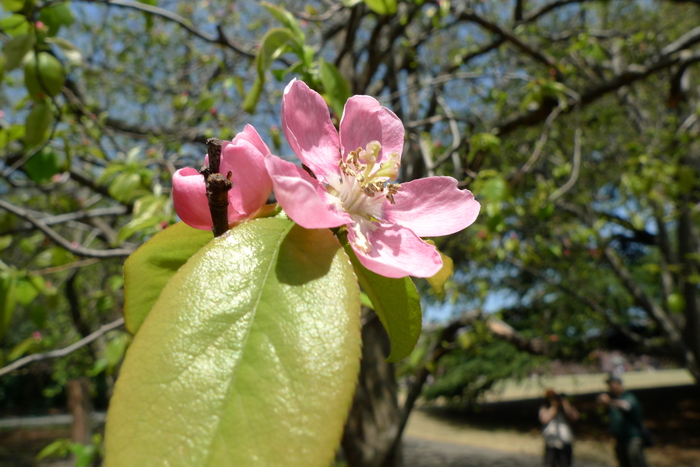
pixel 556 415
pixel 625 423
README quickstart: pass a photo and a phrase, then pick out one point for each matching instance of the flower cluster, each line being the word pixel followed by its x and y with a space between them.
pixel 348 180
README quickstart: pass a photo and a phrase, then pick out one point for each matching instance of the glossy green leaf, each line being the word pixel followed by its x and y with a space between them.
pixel 150 267
pixel 38 123
pixel 16 49
pixel 43 75
pixel 249 357
pixel 336 87
pixel 382 7
pixel 397 305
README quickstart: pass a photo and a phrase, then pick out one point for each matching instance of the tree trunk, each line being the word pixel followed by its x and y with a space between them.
pixel 80 406
pixel 374 418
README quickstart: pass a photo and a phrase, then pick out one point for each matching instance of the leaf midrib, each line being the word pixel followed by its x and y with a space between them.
pixel 232 382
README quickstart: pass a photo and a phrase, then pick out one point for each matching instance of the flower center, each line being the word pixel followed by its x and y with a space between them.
pixel 363 187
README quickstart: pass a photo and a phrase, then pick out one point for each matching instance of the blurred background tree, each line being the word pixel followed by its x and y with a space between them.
pixel 574 122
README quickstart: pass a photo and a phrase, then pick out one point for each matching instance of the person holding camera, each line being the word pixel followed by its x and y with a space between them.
pixel 556 415
pixel 625 423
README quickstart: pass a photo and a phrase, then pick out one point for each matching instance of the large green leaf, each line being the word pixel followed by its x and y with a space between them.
pixel 16 49
pixel 150 267
pixel 249 357
pixel 397 305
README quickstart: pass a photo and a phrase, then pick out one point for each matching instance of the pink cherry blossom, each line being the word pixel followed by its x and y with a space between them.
pixel 354 184
pixel 244 157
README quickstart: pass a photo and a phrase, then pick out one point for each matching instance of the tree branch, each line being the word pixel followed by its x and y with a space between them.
pixel 64 351
pixel 219 39
pixel 53 235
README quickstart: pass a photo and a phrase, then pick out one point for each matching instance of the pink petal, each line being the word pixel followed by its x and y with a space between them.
pixel 398 252
pixel 365 120
pixel 190 199
pixel 307 125
pixel 303 199
pixel 432 207
pixel 251 182
pixel 251 135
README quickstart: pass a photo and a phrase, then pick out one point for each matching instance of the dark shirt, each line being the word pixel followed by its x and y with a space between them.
pixel 626 424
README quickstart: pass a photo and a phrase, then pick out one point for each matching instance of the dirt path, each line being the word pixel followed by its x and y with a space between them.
pixel 434 442
pixel 420 452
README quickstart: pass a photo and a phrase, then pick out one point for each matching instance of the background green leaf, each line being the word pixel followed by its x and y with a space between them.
pixel 150 267
pixel 16 48
pixel 38 123
pixel 382 7
pixel 43 75
pixel 397 305
pixel 336 87
pixel 273 44
pixel 254 342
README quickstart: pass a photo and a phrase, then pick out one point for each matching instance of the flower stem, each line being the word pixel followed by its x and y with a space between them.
pixel 217 193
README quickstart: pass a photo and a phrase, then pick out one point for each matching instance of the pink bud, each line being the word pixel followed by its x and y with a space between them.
pixel 36 335
pixel 39 25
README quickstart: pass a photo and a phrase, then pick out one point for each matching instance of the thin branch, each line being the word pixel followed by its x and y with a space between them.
pixel 532 51
pixel 220 39
pixel 65 267
pixel 632 74
pixel 538 147
pixel 574 171
pixel 64 351
pixel 64 243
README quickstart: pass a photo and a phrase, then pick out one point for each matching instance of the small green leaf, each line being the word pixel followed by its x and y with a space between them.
pixel 437 282
pixel 12 5
pixel 336 87
pixel 55 16
pixel 28 288
pixel 43 75
pixel 21 349
pixel 38 124
pixel 150 267
pixel 287 19
pixel 274 43
pixel 68 48
pixel 8 300
pixel 15 25
pixel 382 7
pixel 255 343
pixel 16 49
pixel 397 305
pixel 43 165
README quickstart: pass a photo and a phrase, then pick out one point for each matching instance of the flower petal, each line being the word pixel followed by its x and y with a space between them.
pixel 251 135
pixel 303 199
pixel 190 199
pixel 365 120
pixel 398 252
pixel 251 182
pixel 307 125
pixel 432 207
